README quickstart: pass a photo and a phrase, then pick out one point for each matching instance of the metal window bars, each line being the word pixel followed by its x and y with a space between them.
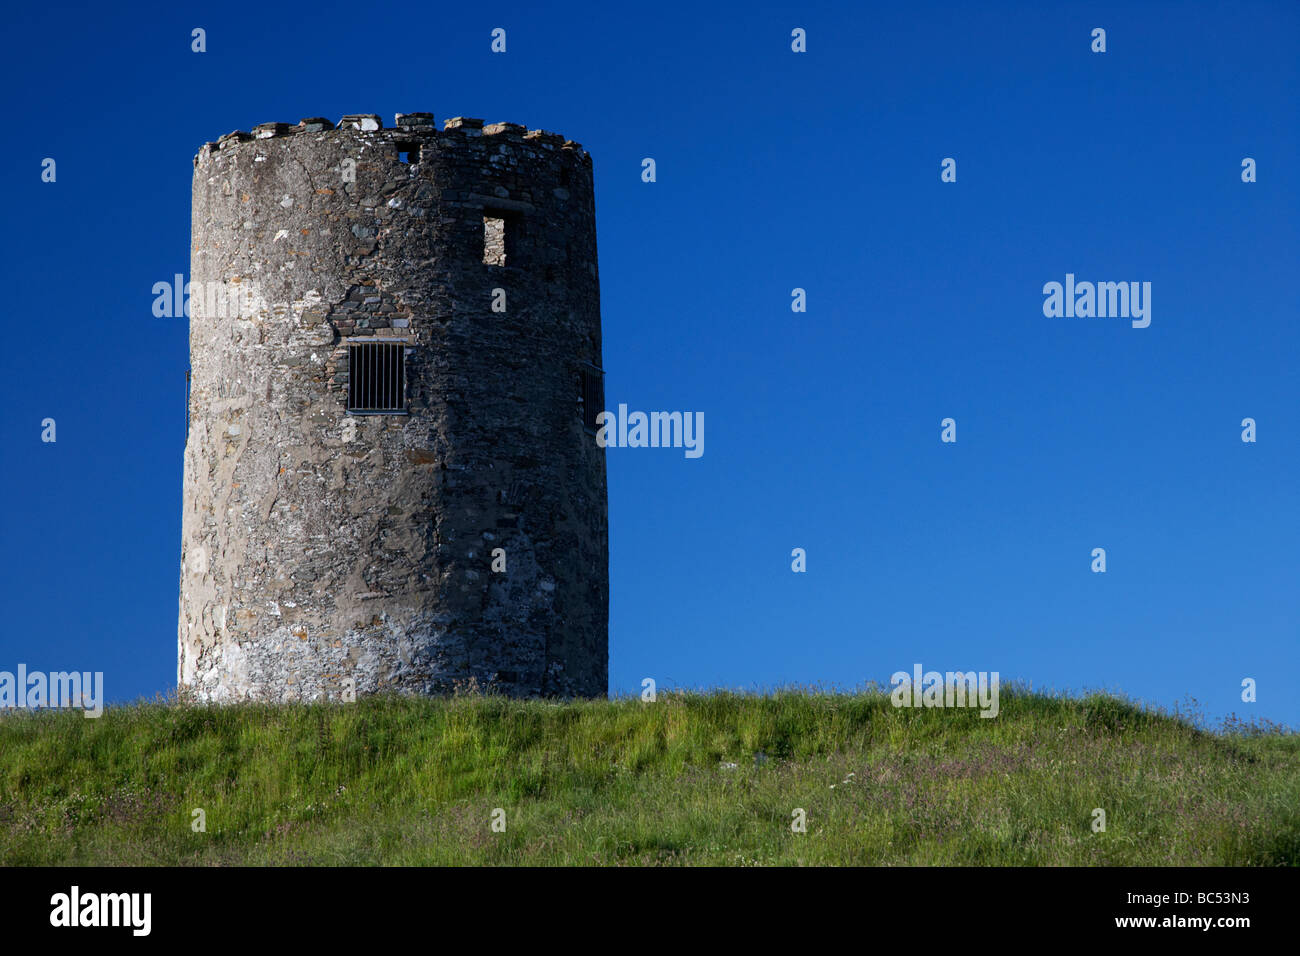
pixel 377 378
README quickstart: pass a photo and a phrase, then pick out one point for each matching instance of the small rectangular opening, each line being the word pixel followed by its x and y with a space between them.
pixel 591 395
pixel 408 152
pixel 502 238
pixel 494 240
pixel 377 378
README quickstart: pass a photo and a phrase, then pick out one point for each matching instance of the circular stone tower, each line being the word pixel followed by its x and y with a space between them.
pixel 391 476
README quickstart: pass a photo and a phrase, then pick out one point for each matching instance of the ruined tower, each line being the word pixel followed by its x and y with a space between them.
pixel 391 476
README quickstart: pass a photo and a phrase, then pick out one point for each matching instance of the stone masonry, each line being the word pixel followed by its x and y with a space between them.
pixel 324 548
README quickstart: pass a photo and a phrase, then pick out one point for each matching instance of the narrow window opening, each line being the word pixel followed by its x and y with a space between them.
pixel 502 238
pixel 377 377
pixel 494 241
pixel 591 395
pixel 408 152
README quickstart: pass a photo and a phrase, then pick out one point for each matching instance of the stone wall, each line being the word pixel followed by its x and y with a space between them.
pixel 320 545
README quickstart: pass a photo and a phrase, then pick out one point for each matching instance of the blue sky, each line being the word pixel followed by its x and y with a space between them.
pixel 775 170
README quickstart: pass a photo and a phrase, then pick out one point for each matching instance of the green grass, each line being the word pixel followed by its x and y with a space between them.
pixel 409 781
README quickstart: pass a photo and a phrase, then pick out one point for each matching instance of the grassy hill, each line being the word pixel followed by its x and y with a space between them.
pixel 689 779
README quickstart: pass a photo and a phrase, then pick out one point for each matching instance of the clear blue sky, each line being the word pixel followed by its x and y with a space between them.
pixel 775 171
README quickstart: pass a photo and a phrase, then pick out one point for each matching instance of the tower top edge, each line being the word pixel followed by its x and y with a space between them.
pixel 419 125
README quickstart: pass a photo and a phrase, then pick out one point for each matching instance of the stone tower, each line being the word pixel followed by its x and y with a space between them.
pixel 391 476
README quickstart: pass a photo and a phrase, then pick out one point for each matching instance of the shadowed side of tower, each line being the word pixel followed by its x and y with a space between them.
pixel 389 480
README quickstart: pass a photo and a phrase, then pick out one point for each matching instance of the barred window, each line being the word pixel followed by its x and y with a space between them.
pixel 591 395
pixel 377 377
